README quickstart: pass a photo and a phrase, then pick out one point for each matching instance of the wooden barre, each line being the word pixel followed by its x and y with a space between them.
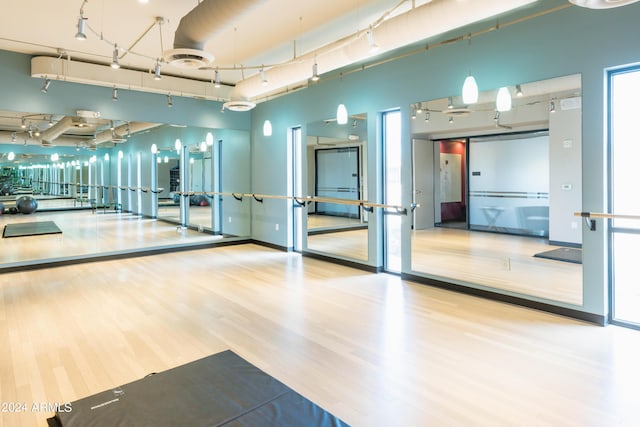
pixel 605 215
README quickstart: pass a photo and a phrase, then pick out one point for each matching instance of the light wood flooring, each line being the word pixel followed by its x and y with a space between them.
pixel 371 348
pixel 86 233
pixel 491 260
pixel 497 261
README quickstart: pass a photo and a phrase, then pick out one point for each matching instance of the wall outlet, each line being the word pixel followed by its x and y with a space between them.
pixel 229 220
pixel 574 225
pixel 567 143
pixel 277 227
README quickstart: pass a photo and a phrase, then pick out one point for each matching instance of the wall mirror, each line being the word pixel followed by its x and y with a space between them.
pixel 75 163
pixel 495 191
pixel 56 159
pixel 336 168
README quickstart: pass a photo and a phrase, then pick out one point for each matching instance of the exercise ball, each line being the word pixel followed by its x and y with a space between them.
pixel 26 204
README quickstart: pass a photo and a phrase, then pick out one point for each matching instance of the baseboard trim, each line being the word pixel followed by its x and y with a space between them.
pixel 40 264
pixel 345 262
pixel 510 299
pixel 271 245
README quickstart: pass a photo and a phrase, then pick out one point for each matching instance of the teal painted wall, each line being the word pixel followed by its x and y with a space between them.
pixel 572 40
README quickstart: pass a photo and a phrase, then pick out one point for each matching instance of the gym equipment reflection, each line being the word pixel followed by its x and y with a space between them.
pixel 493 189
pixel 336 168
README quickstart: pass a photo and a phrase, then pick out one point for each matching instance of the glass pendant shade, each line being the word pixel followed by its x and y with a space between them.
pixel 267 130
pixel 342 116
pixel 503 100
pixel 469 91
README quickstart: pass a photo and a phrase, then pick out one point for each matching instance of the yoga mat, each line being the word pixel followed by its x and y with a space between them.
pixel 30 229
pixel 563 254
pixel 218 390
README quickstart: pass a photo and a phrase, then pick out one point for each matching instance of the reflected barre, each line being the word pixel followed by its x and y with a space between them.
pixel 102 187
pixel 301 200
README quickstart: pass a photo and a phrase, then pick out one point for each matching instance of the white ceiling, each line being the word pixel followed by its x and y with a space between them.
pixel 264 34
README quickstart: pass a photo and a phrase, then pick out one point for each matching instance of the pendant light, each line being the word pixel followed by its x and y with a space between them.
pixel 469 87
pixel 503 100
pixel 469 90
pixel 342 116
pixel 267 130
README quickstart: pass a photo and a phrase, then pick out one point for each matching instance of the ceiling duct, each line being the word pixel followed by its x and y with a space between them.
pixel 421 23
pixel 117 135
pixel 198 26
pixel 47 136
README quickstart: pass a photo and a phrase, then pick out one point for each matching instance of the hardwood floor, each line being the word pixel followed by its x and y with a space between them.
pixel 371 348
pixel 492 260
pixel 496 260
pixel 85 233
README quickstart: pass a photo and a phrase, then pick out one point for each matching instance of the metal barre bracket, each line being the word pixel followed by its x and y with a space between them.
pixel 396 211
pixel 366 208
pixel 237 197
pixel 257 199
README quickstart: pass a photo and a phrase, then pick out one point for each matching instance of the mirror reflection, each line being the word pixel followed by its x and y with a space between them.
pixel 495 191
pixel 90 174
pixel 336 168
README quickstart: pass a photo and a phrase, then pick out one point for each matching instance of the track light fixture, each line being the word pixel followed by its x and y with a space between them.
pixel 419 108
pixel 115 94
pixel 263 77
pixel 217 80
pixel 23 123
pixel 450 120
pixel 519 93
pixel 14 137
pixel 552 106
pixel 315 77
pixel 115 64
pixel 373 46
pixel 11 156
pixel 413 112
pixel 427 116
pixel 82 28
pixel 157 75
pixel 50 120
pixel 46 85
pixel 496 118
pixel 450 103
pixel 169 101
